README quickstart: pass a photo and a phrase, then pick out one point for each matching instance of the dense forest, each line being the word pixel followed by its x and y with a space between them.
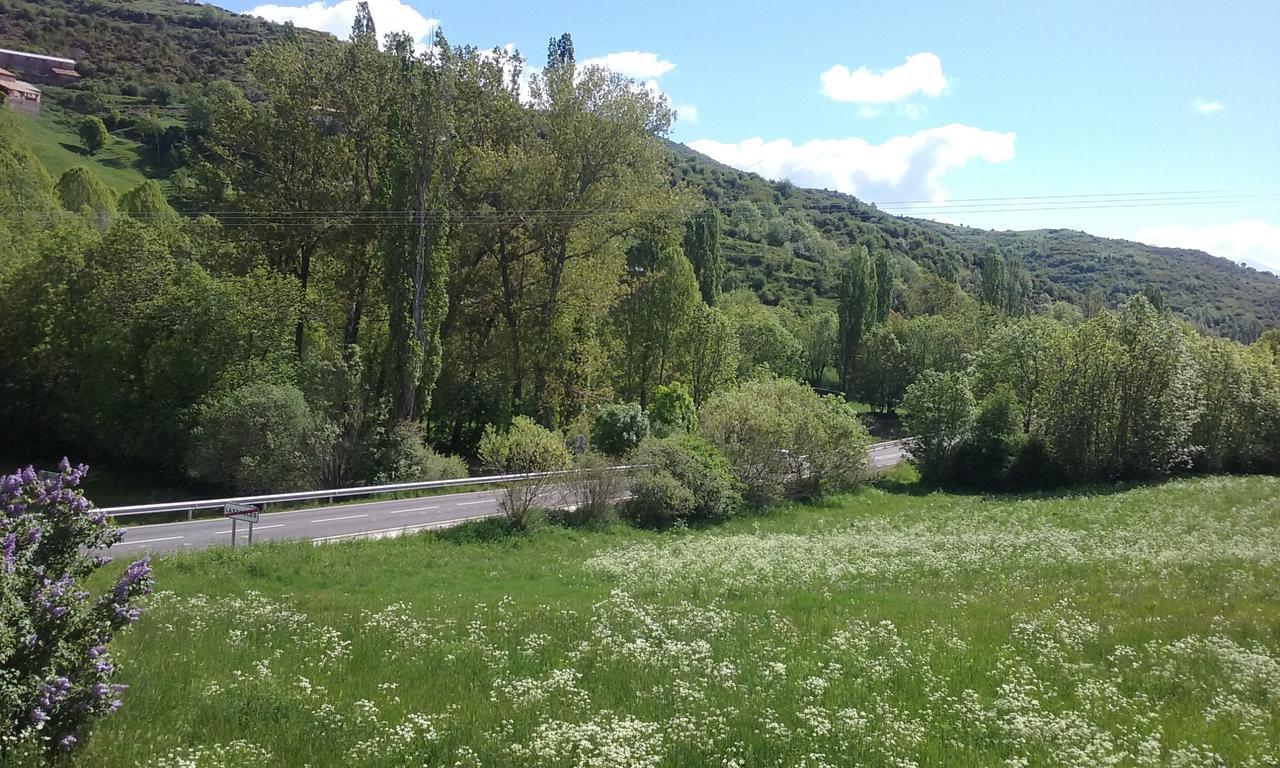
pixel 359 259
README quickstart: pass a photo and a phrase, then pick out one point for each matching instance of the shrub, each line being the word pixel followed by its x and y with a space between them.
pixel 54 633
pixel 780 436
pixel 618 429
pixel 407 458
pixel 591 491
pixel 93 134
pixel 710 489
pixel 257 438
pixel 525 447
pixel 672 410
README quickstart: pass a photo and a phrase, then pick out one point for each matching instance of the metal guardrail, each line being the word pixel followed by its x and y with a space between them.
pixel 334 493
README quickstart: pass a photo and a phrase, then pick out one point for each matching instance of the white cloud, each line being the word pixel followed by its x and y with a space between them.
pixel 921 73
pixel 1253 240
pixel 687 113
pixel 640 65
pixel 902 168
pixel 1206 107
pixel 336 18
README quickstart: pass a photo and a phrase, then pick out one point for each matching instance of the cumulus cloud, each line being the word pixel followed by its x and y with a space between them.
pixel 902 168
pixel 1253 241
pixel 687 113
pixel 1206 107
pixel 336 18
pixel 920 73
pixel 640 65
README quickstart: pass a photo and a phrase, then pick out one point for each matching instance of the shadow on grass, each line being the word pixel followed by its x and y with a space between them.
pixel 917 487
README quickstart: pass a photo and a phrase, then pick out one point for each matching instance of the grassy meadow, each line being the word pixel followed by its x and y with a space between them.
pixel 1137 627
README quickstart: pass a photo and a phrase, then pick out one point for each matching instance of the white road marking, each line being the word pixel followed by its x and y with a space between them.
pixel 333 519
pixel 415 509
pixel 256 528
pixel 382 533
pixel 148 541
pixel 469 503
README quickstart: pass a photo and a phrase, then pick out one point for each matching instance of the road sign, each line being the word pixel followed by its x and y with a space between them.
pixel 246 512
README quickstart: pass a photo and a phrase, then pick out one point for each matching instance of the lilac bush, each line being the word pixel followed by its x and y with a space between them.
pixel 56 669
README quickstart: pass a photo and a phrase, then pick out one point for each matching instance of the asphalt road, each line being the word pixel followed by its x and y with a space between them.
pixel 369 519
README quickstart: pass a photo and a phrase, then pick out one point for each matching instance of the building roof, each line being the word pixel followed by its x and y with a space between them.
pixel 65 72
pixel 58 59
pixel 6 74
pixel 18 86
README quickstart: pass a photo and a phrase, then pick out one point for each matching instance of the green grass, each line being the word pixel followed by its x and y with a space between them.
pixel 886 627
pixel 54 139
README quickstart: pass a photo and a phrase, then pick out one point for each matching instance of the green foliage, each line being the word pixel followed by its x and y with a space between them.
pixel 818 336
pixel 1126 398
pixel 689 481
pixel 940 412
pixel 702 247
pixel 782 437
pixel 882 371
pixel 714 351
pixel 857 311
pixel 256 438
pixel 653 316
pixel 93 134
pixel 672 410
pixel 617 429
pixel 407 458
pixel 146 202
pixel 524 447
pixel 81 192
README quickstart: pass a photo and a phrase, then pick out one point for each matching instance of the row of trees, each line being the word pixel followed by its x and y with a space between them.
pixel 1127 394
pixel 400 249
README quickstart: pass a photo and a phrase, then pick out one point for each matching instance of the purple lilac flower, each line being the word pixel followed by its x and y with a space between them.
pixel 67 742
pixel 38 717
pixel 97 651
pixel 100 691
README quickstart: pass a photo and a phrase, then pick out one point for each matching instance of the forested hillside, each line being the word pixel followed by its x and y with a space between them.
pixel 145 61
pixel 1088 271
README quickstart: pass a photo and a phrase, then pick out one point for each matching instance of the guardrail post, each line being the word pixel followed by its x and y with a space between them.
pixel 190 514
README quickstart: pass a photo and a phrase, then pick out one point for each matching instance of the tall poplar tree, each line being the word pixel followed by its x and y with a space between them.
pixel 884 285
pixel 857 311
pixel 419 165
pixel 702 247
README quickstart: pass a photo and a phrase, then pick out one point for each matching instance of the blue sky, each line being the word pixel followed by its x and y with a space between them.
pixel 944 102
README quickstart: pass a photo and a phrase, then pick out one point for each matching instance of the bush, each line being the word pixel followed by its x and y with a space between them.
pixel 260 437
pixel 672 410
pixel 591 492
pixel 710 491
pixel 54 634
pixel 618 429
pixel 406 458
pixel 782 437
pixel 525 447
pixel 93 134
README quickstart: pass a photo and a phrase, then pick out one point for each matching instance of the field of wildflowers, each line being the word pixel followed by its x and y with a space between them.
pixel 1138 627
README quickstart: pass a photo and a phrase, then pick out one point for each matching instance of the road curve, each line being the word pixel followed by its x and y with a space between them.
pixel 368 519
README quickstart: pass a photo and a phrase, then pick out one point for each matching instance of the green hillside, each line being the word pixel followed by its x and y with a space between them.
pixel 142 59
pixel 1214 293
pixel 54 140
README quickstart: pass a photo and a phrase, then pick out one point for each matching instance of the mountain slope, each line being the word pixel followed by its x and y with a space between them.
pixel 784 242
pixel 1214 293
